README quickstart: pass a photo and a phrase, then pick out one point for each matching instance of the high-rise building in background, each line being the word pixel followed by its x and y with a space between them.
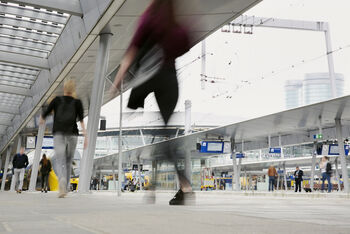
pixel 315 87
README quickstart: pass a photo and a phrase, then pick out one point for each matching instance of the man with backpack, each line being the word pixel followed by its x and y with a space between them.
pixel 20 162
pixel 326 170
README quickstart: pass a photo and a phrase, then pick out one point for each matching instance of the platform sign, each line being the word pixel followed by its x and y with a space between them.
pixel 318 136
pixel 280 172
pixel 240 155
pixel 333 149
pixel 48 142
pixel 31 140
pixel 275 151
pixel 212 147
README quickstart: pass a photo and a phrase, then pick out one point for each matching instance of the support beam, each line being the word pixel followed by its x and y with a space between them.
pixel 285 177
pixel 19 71
pixel 33 13
pixel 120 142
pixel 337 174
pixel 344 168
pixel 37 156
pixel 313 165
pixel 71 7
pixel 278 179
pixel 24 60
pixel 139 171
pixel 15 90
pixel 5 122
pixel 25 43
pixel 330 61
pixel 6 166
pixel 114 177
pixel 94 112
pixel 188 160
pixel 9 110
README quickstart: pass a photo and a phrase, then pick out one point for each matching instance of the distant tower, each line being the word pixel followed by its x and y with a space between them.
pixel 317 87
pixel 293 90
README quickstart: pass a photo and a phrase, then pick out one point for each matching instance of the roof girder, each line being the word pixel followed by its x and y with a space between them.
pixel 24 60
pixel 23 43
pixel 27 34
pixel 71 7
pixel 15 90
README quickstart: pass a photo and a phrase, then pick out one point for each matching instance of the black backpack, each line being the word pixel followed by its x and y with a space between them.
pixel 329 168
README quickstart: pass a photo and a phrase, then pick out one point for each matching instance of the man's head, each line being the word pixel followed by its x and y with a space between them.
pixel 297 167
pixel 21 151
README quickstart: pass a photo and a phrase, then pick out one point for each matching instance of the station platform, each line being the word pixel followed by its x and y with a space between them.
pixel 213 212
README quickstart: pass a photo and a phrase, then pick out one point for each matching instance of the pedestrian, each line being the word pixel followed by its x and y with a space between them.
pixel 298 174
pixel 67 111
pixel 272 173
pixel 158 27
pixel 326 171
pixel 19 162
pixel 45 168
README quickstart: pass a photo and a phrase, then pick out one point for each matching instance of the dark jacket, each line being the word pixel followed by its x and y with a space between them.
pixel 299 176
pixel 20 161
pixel 45 169
pixel 67 111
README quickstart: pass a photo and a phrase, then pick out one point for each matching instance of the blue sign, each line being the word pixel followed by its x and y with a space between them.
pixel 333 149
pixel 240 155
pixel 212 147
pixel 280 172
pixel 275 151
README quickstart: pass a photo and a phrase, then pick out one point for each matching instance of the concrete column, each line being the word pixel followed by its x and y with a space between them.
pixel 285 177
pixel 142 137
pixel 0 162
pixel 94 111
pixel 337 174
pixel 238 178
pixel 280 145
pixel 260 154
pixel 37 156
pixel 18 148
pixel 246 179
pixel 6 166
pixel 313 165
pixel 330 61
pixel 344 168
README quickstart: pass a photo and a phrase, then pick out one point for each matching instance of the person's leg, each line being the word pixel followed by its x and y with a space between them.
pixel 46 180
pixel 273 184
pixel 329 183
pixel 323 180
pixel 15 178
pixel 60 153
pixel 270 184
pixel 71 146
pixel 296 185
pixel 21 178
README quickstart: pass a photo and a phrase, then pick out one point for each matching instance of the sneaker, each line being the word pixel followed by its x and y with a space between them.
pixel 178 199
pixel 19 191
pixel 62 188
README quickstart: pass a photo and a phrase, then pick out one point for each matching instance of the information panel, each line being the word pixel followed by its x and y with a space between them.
pixel 212 147
pixel 334 149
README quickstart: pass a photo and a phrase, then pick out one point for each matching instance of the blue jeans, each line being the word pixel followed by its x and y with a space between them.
pixel 326 176
pixel 271 183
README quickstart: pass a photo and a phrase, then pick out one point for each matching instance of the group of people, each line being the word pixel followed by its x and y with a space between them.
pixel 326 173
pixel 20 163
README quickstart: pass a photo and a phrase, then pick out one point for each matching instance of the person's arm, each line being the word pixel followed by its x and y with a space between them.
pixel 14 160
pixel 124 66
pixel 48 110
pixel 27 162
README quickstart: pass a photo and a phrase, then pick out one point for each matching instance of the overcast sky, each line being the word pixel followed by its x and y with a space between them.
pixel 240 60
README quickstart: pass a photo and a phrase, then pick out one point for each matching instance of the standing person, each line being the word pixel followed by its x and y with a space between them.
pixel 326 170
pixel 298 174
pixel 67 111
pixel 158 26
pixel 45 168
pixel 19 162
pixel 272 173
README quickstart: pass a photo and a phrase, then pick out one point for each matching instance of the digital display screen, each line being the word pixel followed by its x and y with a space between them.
pixel 215 146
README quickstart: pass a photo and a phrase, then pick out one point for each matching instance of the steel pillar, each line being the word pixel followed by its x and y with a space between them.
pixel 18 148
pixel 37 156
pixel 313 165
pixel 120 141
pixel 94 112
pixel 234 165
pixel 278 179
pixel 337 174
pixel 344 168
pixel 114 180
pixel 203 64
pixel 285 177
pixel 6 166
pixel 188 160
pixel 139 171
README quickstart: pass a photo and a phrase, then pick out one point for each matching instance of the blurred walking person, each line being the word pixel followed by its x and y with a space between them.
pixel 67 111
pixel 19 162
pixel 158 28
pixel 326 170
pixel 298 174
pixel 45 168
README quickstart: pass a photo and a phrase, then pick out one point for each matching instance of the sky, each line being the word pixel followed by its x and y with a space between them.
pixel 237 62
